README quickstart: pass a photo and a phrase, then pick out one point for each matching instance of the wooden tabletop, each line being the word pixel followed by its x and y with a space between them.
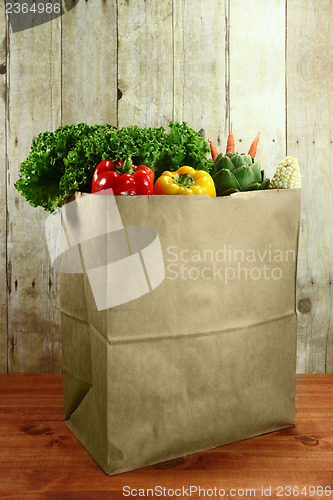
pixel 41 459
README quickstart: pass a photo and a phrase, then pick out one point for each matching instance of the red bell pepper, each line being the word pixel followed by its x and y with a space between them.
pixel 123 178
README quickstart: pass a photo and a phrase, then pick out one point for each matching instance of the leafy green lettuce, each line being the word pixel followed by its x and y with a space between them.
pixel 63 161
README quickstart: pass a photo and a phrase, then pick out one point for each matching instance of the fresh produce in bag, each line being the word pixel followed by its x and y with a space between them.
pixel 238 173
pixel 287 175
pixel 185 181
pixel 63 162
pixel 123 178
pixel 159 359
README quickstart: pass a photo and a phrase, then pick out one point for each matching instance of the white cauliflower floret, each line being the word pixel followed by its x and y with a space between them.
pixel 287 175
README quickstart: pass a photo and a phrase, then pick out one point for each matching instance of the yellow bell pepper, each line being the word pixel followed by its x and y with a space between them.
pixel 186 180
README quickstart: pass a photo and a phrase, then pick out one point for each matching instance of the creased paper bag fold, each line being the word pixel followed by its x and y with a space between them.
pixel 204 358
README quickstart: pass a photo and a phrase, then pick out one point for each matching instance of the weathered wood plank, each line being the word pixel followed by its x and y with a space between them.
pixel 310 125
pixel 257 78
pixel 145 62
pixel 89 63
pixel 200 57
pixel 3 193
pixel 34 106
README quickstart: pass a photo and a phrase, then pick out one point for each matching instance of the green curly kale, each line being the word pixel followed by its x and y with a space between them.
pixel 63 161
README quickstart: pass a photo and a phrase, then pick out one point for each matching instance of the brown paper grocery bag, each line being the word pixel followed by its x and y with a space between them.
pixel 205 354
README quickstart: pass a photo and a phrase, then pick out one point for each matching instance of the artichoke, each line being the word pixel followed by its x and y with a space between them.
pixel 237 172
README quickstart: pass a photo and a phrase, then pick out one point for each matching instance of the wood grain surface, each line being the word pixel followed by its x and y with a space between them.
pixel 3 193
pixel 200 78
pixel 145 63
pixel 309 138
pixel 34 90
pixel 265 67
pixel 89 63
pixel 41 459
pixel 257 78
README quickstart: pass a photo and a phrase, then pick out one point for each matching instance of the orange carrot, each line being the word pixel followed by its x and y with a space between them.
pixel 231 142
pixel 253 147
pixel 213 150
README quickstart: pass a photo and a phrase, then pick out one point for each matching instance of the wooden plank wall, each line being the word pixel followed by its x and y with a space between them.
pixel 309 137
pixel 266 67
pixel 89 63
pixel 200 55
pixel 257 78
pixel 33 105
pixel 145 62
pixel 3 205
